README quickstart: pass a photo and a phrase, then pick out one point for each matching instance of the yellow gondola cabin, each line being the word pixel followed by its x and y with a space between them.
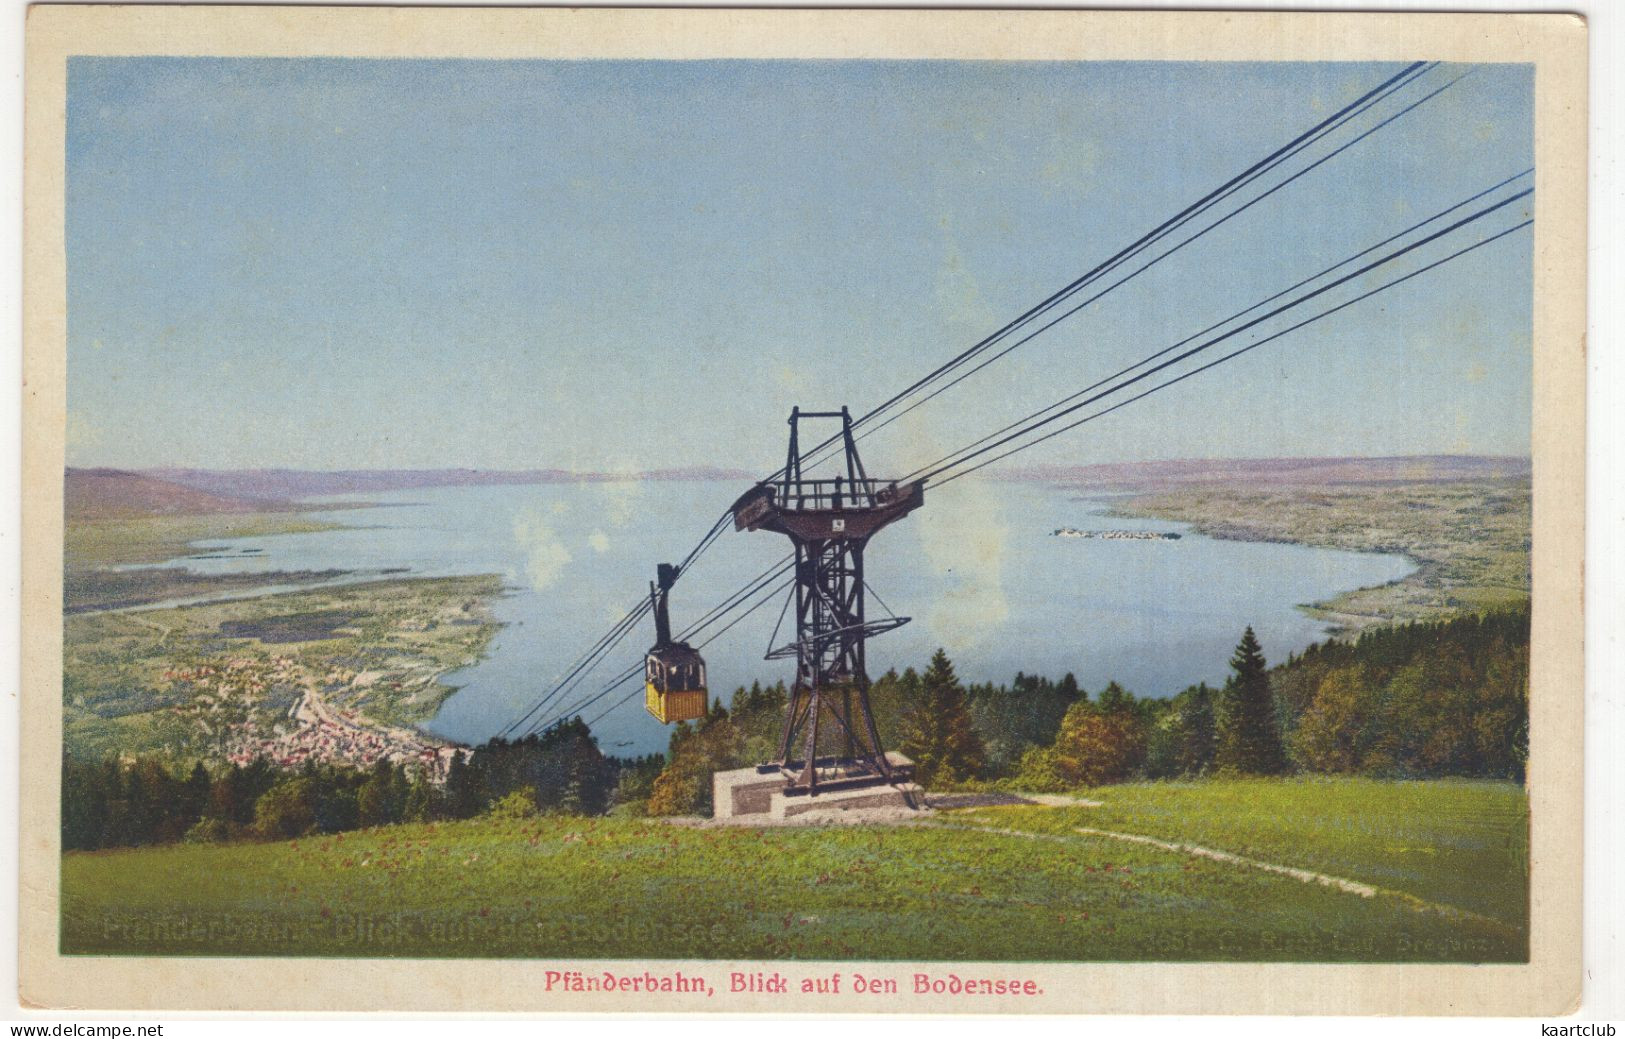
pixel 674 684
pixel 673 672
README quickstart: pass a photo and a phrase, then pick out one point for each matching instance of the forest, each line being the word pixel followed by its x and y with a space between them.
pixel 1422 700
pixel 113 804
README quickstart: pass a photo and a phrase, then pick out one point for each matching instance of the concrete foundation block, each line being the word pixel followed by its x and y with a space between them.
pixel 761 791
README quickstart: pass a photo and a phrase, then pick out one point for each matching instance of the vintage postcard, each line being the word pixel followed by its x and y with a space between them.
pixel 803 511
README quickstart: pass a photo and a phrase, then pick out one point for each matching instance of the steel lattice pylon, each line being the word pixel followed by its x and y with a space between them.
pixel 829 521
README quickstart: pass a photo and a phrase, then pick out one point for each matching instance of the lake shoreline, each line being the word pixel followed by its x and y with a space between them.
pixel 1160 618
pixel 1454 572
pixel 343 674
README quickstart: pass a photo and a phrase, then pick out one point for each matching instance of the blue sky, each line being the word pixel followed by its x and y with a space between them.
pixel 621 265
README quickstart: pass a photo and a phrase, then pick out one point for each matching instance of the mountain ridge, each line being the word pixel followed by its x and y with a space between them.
pixel 282 483
pixel 1277 471
pixel 103 493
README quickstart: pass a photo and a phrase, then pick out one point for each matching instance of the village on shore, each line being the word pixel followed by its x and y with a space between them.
pixel 1115 535
pixel 228 697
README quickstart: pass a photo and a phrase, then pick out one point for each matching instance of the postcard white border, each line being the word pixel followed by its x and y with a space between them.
pixel 1556 44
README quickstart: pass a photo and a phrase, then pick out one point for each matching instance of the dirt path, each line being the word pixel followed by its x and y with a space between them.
pixel 1063 801
pixel 1353 887
pixel 936 804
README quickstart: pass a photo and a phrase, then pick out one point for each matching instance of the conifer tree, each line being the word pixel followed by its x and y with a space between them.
pixel 1067 689
pixel 86 792
pixel 1198 736
pixel 463 795
pixel 937 732
pixel 373 800
pixel 195 798
pixel 421 803
pixel 1249 740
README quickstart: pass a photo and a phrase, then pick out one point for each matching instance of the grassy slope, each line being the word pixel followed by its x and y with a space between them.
pixel 632 888
pixel 1460 844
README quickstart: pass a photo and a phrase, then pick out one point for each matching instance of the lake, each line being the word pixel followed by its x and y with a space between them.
pixel 976 568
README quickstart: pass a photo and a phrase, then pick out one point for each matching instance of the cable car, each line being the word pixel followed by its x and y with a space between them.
pixel 673 672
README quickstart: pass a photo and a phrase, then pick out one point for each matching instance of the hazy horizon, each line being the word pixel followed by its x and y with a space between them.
pixel 736 472
pixel 330 264
pixel 161 466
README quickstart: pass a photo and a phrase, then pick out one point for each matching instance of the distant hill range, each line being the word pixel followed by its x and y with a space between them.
pixel 283 484
pixel 113 493
pixel 1282 472
pixel 92 494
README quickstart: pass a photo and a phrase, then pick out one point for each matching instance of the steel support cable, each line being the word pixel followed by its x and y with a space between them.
pixel 1237 353
pixel 1163 256
pixel 1392 283
pixel 705 542
pixel 635 669
pixel 1392 83
pixel 632 672
pixel 1308 137
pixel 628 620
pixel 769 597
pixel 1180 378
pixel 878 599
pixel 584 666
pixel 590 659
pixel 1032 427
pixel 576 682
pixel 575 711
pixel 731 603
pixel 1220 324
pixel 1239 329
pixel 748 589
pixel 783 613
pixel 772 594
pixel 617 705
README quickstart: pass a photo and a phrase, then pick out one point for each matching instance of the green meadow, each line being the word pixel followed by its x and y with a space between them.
pixel 1447 860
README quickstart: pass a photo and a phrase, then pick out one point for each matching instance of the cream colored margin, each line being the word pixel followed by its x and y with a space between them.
pixel 1550 984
